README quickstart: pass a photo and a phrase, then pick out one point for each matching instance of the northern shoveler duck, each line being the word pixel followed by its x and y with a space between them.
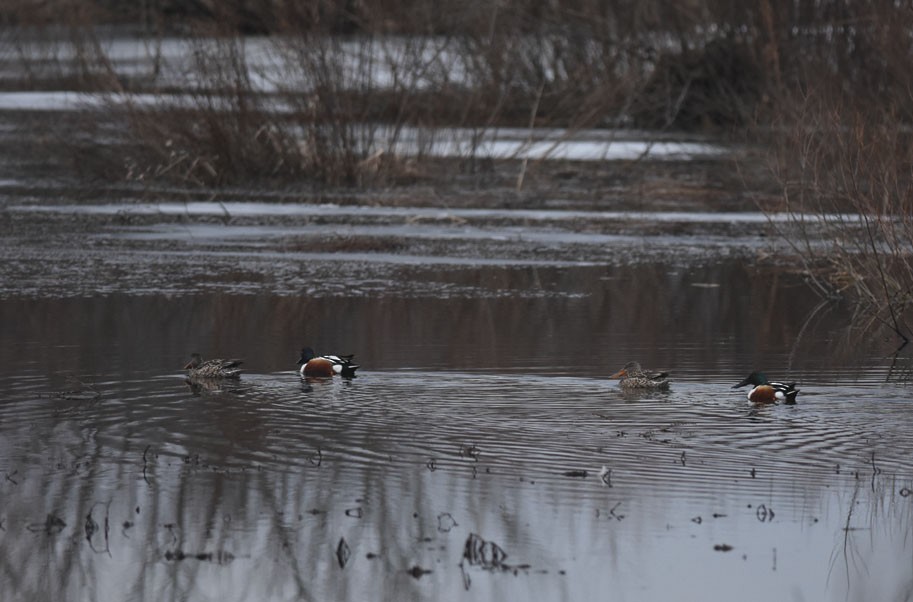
pixel 197 368
pixel 633 377
pixel 765 391
pixel 326 365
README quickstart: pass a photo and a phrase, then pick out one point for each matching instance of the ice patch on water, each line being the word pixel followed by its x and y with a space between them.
pixel 249 209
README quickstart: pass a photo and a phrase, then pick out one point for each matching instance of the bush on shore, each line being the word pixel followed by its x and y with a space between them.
pixel 825 87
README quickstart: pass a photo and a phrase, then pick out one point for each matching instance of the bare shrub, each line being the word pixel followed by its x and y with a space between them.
pixel 333 106
pixel 718 84
pixel 847 186
pixel 843 149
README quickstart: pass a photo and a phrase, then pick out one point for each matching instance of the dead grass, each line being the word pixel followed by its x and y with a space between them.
pixel 342 83
pixel 842 149
pixel 824 87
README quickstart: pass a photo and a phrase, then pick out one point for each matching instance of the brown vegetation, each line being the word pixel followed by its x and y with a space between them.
pixel 842 147
pixel 825 86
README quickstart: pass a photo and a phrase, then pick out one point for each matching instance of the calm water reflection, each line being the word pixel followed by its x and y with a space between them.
pixel 470 412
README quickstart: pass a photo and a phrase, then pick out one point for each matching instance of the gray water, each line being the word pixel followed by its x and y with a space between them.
pixel 474 413
pixel 482 452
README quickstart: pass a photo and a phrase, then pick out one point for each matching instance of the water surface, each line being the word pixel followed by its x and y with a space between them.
pixel 482 453
pixel 473 414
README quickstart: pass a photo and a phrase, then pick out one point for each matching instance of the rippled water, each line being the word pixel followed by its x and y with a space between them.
pixel 482 453
pixel 471 416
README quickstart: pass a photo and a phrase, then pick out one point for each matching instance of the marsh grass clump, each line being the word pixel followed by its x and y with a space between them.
pixel 327 93
pixel 288 114
pixel 849 193
pixel 355 94
pixel 842 150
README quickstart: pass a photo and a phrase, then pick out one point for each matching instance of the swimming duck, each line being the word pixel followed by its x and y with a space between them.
pixel 633 377
pixel 765 391
pixel 326 365
pixel 212 368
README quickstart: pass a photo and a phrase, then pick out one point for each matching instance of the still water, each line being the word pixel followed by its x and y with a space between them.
pixel 481 424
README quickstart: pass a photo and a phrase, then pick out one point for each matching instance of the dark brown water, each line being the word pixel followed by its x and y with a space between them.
pixel 483 389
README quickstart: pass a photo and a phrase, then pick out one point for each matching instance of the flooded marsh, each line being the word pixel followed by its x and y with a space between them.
pixel 482 452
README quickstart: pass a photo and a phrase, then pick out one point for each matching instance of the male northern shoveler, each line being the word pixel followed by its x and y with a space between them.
pixel 212 368
pixel 326 365
pixel 633 377
pixel 765 391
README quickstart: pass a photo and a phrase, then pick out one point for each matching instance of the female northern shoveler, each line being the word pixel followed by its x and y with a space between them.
pixel 765 391
pixel 633 377
pixel 212 368
pixel 326 365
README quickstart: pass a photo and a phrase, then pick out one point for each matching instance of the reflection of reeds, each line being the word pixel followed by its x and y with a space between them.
pixel 865 534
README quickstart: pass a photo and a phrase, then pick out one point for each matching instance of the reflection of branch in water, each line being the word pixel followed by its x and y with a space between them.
pixel 86 395
pixel 171 528
pixel 183 518
pixel 446 522
pixel 220 557
pixel 875 472
pixel 486 555
pixel 905 369
pixel 467 580
pixel 79 390
pixel 846 536
pixel 52 525
pixel 145 451
pixel 846 541
pixel 805 324
pixel 343 553
pixel 855 336
pixel 764 514
pixel 416 572
pixel 91 528
pixel 182 529
pixel 469 451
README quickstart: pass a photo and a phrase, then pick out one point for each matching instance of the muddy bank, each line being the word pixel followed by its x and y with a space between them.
pixel 65 225
pixel 54 154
